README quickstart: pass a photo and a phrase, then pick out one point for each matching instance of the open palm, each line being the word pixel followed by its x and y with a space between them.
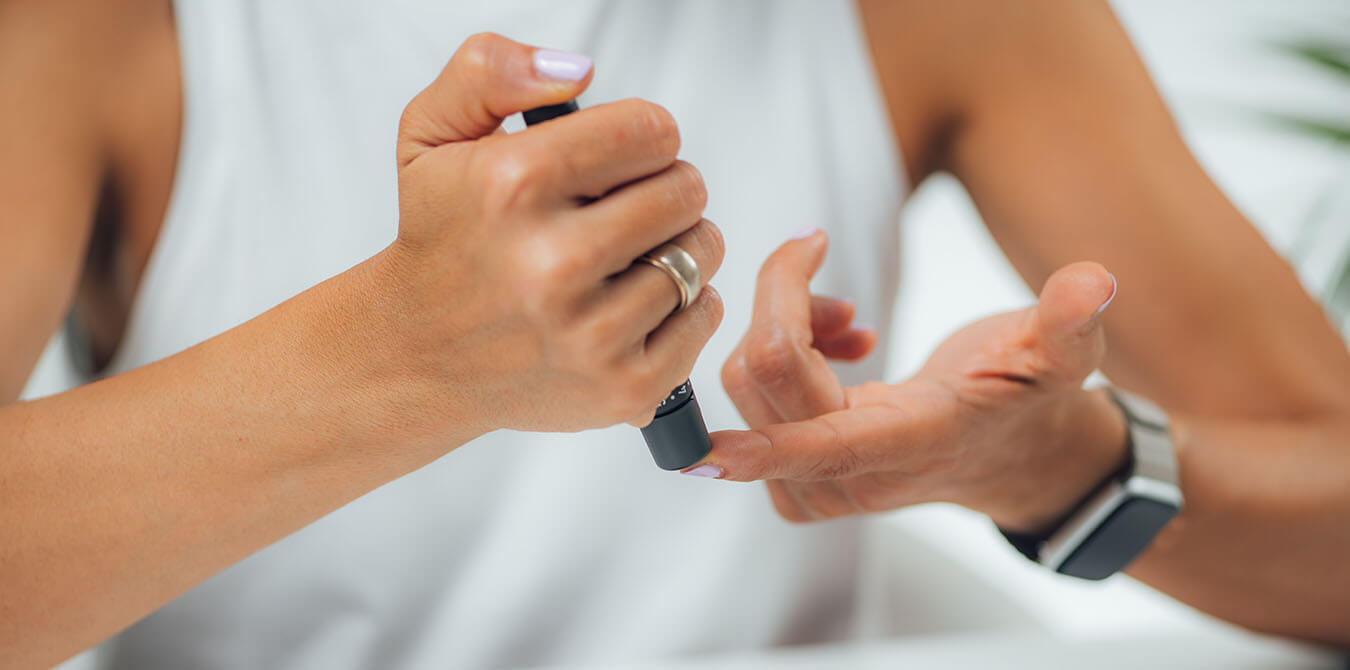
pixel 996 420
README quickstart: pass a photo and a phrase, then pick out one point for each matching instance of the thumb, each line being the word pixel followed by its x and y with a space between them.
pixel 1066 325
pixel 489 78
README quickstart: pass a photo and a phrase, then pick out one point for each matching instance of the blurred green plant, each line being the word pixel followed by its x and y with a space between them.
pixel 1322 254
pixel 1334 60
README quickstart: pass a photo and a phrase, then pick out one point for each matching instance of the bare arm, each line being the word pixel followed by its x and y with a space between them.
pixel 124 493
pixel 1045 113
pixel 51 163
pixel 118 495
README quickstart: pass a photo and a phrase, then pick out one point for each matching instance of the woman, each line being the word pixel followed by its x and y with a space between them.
pixel 491 306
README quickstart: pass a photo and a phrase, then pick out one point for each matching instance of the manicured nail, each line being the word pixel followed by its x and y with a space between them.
pixel 863 326
pixel 804 233
pixel 561 65
pixel 706 470
pixel 1114 287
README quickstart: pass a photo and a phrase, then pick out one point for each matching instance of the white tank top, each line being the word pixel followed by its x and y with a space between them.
pixel 517 549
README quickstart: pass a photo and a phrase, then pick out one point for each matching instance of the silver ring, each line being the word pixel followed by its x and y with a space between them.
pixel 680 267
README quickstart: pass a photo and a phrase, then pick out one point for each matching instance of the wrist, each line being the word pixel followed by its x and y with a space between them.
pixel 1092 440
pixel 373 337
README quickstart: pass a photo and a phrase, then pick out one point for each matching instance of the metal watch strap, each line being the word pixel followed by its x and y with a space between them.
pixel 1121 516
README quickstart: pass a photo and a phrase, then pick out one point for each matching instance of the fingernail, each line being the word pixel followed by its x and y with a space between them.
pixel 707 470
pixel 804 233
pixel 863 326
pixel 561 65
pixel 1114 287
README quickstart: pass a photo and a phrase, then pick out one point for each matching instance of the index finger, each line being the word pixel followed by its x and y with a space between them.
pixel 911 434
pixel 598 149
pixel 794 378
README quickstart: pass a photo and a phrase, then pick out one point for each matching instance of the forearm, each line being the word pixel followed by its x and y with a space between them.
pixel 1070 154
pixel 1052 123
pixel 124 493
pixel 1262 540
pixel 1209 321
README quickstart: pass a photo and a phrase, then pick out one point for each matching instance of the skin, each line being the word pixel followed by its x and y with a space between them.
pixel 1051 123
pixel 371 374
pixel 304 414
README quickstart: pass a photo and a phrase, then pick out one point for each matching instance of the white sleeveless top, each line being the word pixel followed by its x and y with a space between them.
pixel 517 549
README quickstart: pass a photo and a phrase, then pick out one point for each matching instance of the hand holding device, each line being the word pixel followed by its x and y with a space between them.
pixel 514 297
pixel 676 436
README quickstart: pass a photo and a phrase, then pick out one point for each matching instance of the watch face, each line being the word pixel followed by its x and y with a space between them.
pixel 1119 539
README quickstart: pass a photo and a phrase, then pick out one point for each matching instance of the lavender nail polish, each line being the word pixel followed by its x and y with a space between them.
pixel 561 65
pixel 804 233
pixel 1114 287
pixel 707 470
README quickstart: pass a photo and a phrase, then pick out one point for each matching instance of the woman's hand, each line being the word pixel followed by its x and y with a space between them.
pixel 515 294
pixel 996 420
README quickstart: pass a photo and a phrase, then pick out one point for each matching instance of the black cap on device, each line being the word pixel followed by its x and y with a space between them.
pixel 677 437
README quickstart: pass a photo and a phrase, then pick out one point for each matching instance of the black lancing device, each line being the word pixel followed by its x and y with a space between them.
pixel 677 437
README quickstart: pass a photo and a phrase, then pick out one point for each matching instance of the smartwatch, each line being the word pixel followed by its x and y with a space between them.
pixel 1120 518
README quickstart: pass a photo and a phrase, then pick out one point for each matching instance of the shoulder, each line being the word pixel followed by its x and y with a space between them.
pixel 61 61
pixel 68 85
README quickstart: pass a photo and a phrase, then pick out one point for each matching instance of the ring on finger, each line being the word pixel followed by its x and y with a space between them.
pixel 682 269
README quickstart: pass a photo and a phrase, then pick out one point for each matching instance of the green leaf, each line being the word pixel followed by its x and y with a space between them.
pixel 1330 57
pixel 1314 127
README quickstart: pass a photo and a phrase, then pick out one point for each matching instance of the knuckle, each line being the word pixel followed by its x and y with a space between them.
pixel 833 467
pixel 656 126
pixel 412 128
pixel 690 190
pixel 830 466
pixel 839 461
pixel 734 377
pixel 513 178
pixel 409 118
pixel 712 246
pixel 713 307
pixel 477 51
pixel 770 359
